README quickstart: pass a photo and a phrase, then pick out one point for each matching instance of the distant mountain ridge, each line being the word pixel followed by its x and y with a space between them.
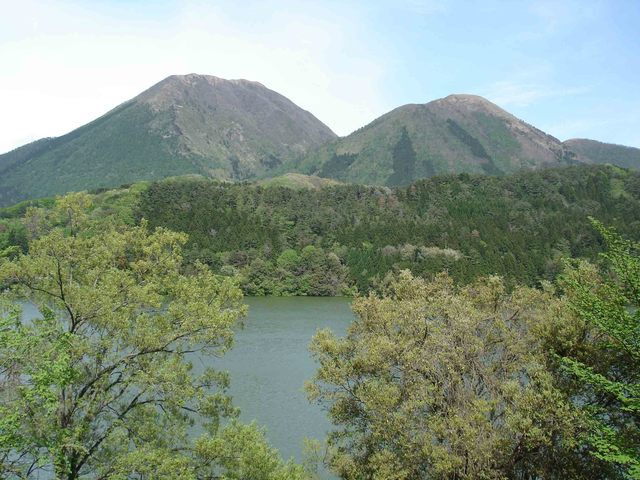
pixel 592 151
pixel 225 129
pixel 456 134
pixel 240 130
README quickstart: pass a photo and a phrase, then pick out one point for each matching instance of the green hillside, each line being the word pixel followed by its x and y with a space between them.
pixel 91 157
pixel 345 236
pixel 456 134
pixel 591 151
pixel 226 129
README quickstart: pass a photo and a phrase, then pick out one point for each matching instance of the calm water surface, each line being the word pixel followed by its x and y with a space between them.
pixel 270 362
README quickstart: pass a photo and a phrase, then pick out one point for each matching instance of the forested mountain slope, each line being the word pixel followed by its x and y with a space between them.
pixel 591 151
pixel 306 238
pixel 225 129
pixel 456 134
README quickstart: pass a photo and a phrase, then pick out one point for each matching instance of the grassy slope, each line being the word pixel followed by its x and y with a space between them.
pixel 298 181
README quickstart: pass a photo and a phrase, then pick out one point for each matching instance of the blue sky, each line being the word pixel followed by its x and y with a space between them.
pixel 571 68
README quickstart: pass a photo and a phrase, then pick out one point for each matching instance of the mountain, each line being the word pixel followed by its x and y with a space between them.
pixel 224 129
pixel 240 130
pixel 591 151
pixel 459 133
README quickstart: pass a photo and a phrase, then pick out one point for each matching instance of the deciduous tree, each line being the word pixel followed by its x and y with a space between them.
pixel 608 300
pixel 438 381
pixel 101 385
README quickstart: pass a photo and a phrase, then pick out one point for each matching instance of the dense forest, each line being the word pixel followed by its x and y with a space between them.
pixel 339 239
pixel 342 238
pixel 447 371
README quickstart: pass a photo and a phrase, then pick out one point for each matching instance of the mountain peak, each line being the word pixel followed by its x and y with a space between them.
pixel 192 78
pixel 464 97
pixel 174 88
pixel 473 102
pixel 455 134
pixel 184 124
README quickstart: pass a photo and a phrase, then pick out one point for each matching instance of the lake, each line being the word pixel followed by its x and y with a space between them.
pixel 269 364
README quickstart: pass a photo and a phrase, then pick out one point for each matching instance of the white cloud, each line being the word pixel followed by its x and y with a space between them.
pixel 65 63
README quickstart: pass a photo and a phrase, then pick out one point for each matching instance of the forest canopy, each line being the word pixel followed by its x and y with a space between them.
pixel 339 239
pixel 518 226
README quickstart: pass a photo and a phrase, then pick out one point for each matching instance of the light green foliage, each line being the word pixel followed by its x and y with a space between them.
pixel 289 259
pixel 13 237
pixel 241 450
pixel 101 386
pixel 438 381
pixel 608 300
pixel 237 452
pixel 314 271
pixel 519 226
